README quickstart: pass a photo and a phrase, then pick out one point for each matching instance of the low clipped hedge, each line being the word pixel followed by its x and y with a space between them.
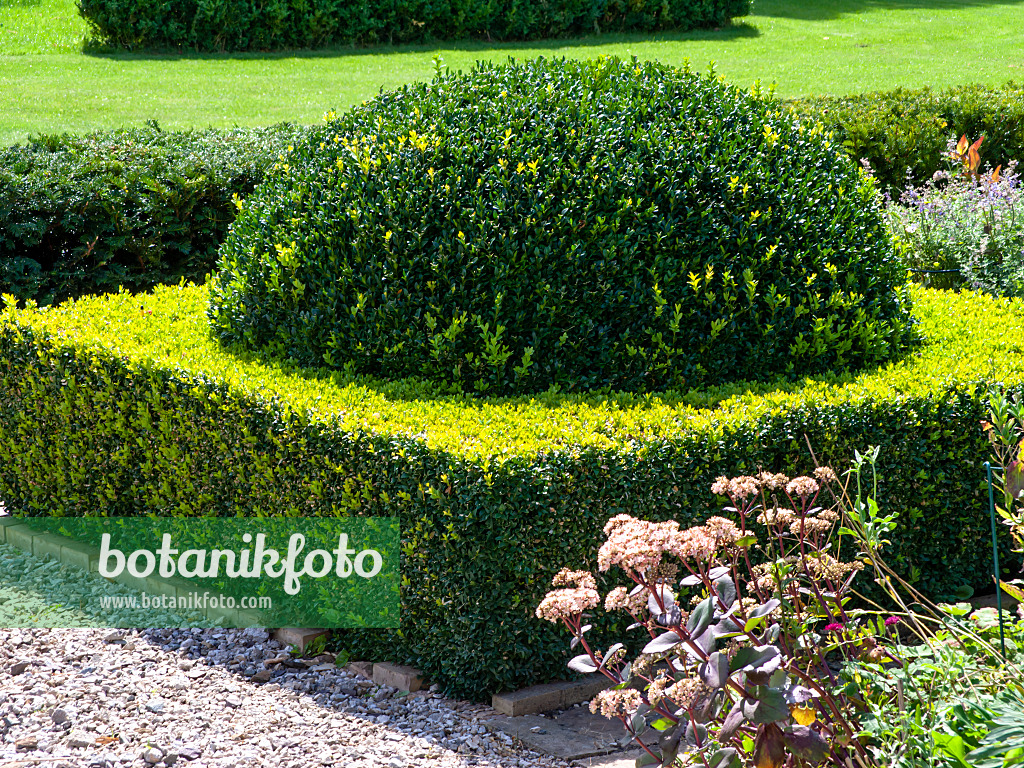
pixel 88 213
pixel 123 405
pixel 579 224
pixel 904 133
pixel 241 25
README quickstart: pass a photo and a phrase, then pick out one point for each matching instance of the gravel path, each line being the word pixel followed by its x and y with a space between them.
pixel 86 697
pixel 224 698
pixel 36 592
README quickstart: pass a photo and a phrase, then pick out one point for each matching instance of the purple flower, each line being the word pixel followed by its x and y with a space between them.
pixel 835 627
pixel 892 620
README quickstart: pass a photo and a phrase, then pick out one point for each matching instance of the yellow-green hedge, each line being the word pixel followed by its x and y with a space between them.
pixel 123 405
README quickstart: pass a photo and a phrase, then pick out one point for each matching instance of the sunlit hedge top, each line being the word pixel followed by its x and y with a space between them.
pixel 968 338
pixel 584 225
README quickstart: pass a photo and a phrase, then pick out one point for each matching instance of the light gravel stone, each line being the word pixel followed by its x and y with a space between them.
pixel 222 698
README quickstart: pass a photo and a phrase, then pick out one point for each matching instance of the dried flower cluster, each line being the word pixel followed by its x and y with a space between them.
pixel 638 546
pixel 824 566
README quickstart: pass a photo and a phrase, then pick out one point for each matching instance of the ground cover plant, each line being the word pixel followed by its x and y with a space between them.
pixel 135 208
pixel 124 404
pixel 222 25
pixel 607 224
pixel 831 47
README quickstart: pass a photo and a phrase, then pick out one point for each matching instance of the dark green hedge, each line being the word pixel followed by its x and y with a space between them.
pixel 157 204
pixel 579 224
pixel 85 214
pixel 903 133
pixel 123 405
pixel 242 25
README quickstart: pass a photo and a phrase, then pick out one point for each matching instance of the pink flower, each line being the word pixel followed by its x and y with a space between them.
pixel 835 627
pixel 568 578
pixel 635 545
pixel 892 620
pixel 612 703
pixel 802 487
pixel 567 603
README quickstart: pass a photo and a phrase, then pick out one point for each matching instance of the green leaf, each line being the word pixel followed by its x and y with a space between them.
pixel 952 746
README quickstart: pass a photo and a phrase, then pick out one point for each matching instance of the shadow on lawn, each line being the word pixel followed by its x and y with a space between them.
pixel 823 10
pixel 724 34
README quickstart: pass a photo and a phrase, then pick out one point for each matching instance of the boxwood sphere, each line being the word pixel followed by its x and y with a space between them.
pixel 584 225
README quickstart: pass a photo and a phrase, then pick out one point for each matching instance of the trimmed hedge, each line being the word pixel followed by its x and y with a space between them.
pixel 581 224
pixel 241 25
pixel 124 405
pixel 165 198
pixel 903 133
pixel 86 214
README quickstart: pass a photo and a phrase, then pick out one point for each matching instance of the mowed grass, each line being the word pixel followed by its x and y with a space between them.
pixel 47 84
pixel 41 26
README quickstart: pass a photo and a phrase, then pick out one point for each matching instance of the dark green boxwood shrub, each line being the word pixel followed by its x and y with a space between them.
pixel 85 214
pixel 562 223
pixel 242 25
pixel 904 133
pixel 123 405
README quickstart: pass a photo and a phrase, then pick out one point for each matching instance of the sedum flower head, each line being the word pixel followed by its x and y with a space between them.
pixel 635 545
pixel 772 482
pixel 686 693
pixel 567 603
pixel 809 526
pixel 825 475
pixel 737 488
pixel 613 703
pixel 568 578
pixel 619 599
pixel 804 487
pixel 780 517
pixel 723 530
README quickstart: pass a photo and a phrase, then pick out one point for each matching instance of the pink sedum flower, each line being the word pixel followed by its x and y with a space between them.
pixel 613 703
pixel 803 487
pixel 619 599
pixel 567 578
pixel 635 545
pixel 567 603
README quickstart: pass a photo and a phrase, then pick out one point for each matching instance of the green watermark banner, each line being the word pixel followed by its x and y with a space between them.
pixel 150 572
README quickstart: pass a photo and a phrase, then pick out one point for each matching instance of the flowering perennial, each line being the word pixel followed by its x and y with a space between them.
pixel 740 677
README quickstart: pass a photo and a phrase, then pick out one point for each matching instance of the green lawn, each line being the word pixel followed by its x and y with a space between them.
pixel 808 46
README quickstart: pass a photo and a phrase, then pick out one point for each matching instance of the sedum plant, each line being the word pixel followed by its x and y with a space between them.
pixel 735 671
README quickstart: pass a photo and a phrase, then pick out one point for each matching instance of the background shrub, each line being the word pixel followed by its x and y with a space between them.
pixel 243 25
pixel 85 214
pixel 579 224
pixel 903 133
pixel 123 405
